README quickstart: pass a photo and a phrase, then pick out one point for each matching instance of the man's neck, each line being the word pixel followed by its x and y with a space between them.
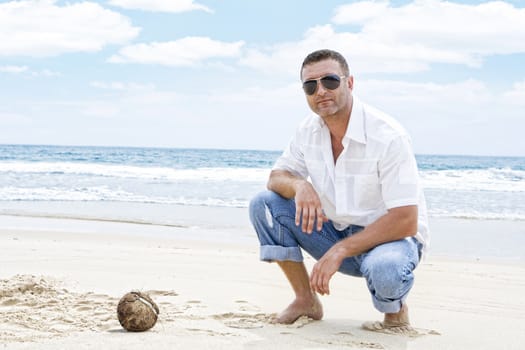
pixel 338 123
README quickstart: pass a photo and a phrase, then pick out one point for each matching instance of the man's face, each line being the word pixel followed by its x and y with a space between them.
pixel 326 102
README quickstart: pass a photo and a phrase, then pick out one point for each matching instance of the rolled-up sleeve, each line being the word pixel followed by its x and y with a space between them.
pixel 398 174
pixel 292 158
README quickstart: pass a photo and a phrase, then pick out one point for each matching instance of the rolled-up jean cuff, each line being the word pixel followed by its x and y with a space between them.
pixel 390 307
pixel 278 253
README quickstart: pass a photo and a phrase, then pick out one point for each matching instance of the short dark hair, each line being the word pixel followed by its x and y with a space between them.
pixel 325 54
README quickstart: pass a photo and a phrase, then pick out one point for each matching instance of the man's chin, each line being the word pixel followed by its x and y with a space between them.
pixel 326 112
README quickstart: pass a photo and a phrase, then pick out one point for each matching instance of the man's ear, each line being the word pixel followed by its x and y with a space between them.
pixel 350 82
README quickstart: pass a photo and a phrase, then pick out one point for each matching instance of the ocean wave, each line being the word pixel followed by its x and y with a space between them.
pixel 82 217
pixel 103 193
pixel 164 220
pixel 491 179
pixel 136 172
pixel 478 215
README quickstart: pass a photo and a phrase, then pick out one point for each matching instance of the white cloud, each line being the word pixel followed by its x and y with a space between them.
pixel 174 6
pixel 404 39
pixel 516 95
pixel 167 117
pixel 431 105
pixel 26 71
pixel 463 117
pixel 100 110
pixel 13 119
pixel 488 28
pixel 44 28
pixel 13 69
pixel 124 86
pixel 364 55
pixel 187 51
pixel 360 12
pixel 467 92
pixel 46 73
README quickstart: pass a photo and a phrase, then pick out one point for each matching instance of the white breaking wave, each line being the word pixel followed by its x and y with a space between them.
pixel 500 180
pixel 477 215
pixel 103 193
pixel 493 179
pixel 137 172
pixel 497 193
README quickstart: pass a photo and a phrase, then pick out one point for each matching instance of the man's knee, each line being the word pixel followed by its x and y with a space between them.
pixel 258 207
pixel 389 276
pixel 269 204
pixel 261 198
pixel 268 212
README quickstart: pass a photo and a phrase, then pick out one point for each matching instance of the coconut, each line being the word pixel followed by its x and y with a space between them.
pixel 137 312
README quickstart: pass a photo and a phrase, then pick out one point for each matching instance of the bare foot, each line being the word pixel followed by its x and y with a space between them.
pixel 310 307
pixel 398 319
pixel 396 323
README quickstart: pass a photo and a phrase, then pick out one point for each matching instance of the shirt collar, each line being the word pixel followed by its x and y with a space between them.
pixel 356 126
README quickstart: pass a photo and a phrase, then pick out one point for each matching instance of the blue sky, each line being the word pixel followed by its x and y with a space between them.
pixel 225 74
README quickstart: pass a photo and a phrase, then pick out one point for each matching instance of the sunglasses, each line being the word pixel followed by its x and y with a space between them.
pixel 330 82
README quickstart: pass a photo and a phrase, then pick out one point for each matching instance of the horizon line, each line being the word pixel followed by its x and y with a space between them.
pixel 233 149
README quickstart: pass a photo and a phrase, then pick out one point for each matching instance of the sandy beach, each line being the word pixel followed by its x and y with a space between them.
pixel 61 279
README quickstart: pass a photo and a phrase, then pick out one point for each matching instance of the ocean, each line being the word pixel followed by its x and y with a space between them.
pixel 78 182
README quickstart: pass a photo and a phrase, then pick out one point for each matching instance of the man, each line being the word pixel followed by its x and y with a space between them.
pixel 345 190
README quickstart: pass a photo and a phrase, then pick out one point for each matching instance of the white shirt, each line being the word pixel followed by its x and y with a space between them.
pixel 376 170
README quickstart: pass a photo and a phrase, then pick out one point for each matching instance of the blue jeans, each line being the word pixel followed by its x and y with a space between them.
pixel 387 268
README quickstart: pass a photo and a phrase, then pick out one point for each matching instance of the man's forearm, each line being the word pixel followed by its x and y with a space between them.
pixel 284 183
pixel 397 224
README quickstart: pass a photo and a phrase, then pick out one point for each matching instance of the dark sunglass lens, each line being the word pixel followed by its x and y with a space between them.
pixel 331 82
pixel 309 87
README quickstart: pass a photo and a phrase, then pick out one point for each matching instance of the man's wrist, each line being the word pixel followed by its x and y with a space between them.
pixel 298 183
pixel 341 251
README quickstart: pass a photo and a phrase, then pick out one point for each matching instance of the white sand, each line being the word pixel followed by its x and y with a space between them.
pixel 60 281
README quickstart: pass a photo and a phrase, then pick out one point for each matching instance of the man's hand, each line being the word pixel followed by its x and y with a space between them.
pixel 309 211
pixel 325 268
pixel 308 208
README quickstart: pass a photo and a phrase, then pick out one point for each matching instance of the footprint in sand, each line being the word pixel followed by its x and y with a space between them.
pixel 209 332
pixel 346 339
pixel 193 304
pixel 83 308
pixel 39 308
pixel 243 321
pixel 165 293
pixel 246 306
pixel 10 302
pixel 408 331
